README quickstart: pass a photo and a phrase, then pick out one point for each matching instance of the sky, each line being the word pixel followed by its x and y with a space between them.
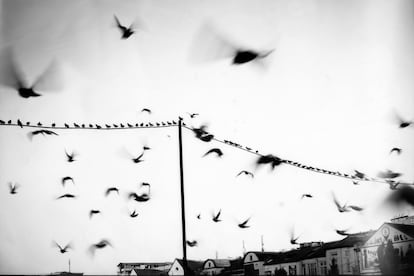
pixel 326 96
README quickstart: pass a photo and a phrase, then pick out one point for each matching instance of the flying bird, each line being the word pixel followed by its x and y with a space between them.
pixel 356 208
pixel 245 173
pixel 134 214
pixel 111 189
pixel 307 195
pixel 144 148
pixel 100 245
pixel 146 110
pixel 41 131
pixel 67 178
pixel 397 150
pixel 269 159
pixel 13 188
pixel 63 249
pixel 342 232
pixel 293 239
pixel 138 159
pixel 140 198
pixel 192 115
pixel 199 216
pixel 11 76
pixel 66 196
pixel 216 151
pixel 216 217
pixel 192 243
pixel 93 212
pixel 388 174
pixel 341 208
pixel 126 31
pixel 401 122
pixel 244 224
pixel 70 157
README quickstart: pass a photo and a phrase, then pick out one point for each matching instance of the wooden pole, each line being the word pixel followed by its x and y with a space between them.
pixel 182 196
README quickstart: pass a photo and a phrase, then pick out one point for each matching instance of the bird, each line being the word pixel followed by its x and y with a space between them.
pixel 307 195
pixel 356 208
pixel 126 32
pixel 192 243
pixel 401 122
pixel 67 178
pixel 243 56
pixel 140 198
pixel 216 217
pixel 111 189
pixel 244 224
pixel 192 115
pixel 133 214
pixel 342 232
pixel 206 138
pixel 13 188
pixel 200 131
pixel 66 196
pixel 359 174
pixel 100 245
pixel 70 157
pixel 199 216
pixel 19 123
pixel 216 151
pixel 389 174
pixel 2 122
pixel 393 184
pixel 41 131
pixel 269 159
pixel 293 239
pixel 355 182
pixel 93 212
pixel 14 78
pixel 138 159
pixel 145 148
pixel 63 249
pixel 146 110
pixel 245 173
pixel 401 196
pixel 397 150
pixel 341 208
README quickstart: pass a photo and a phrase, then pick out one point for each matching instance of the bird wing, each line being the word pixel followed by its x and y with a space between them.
pixel 119 25
pixel 50 79
pixel 56 244
pixel 10 75
pixel 336 201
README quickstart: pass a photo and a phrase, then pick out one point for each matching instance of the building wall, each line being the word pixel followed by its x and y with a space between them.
pixel 176 269
pixel 346 259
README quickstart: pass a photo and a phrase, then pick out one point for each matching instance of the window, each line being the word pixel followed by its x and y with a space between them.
pixel 323 268
pixel 348 265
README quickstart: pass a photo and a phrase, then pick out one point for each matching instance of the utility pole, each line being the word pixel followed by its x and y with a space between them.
pixel 180 142
pixel 244 249
pixel 261 239
pixel 69 265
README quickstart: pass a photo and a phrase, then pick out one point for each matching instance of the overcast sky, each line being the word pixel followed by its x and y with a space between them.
pixel 325 97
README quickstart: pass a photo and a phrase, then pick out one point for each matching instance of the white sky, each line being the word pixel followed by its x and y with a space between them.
pixel 339 71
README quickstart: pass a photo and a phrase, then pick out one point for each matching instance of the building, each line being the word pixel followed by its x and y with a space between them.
pixel 160 268
pixel 193 267
pixel 236 268
pixel 215 266
pixel 389 250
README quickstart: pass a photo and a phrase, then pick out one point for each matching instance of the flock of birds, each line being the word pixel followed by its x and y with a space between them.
pixel 238 55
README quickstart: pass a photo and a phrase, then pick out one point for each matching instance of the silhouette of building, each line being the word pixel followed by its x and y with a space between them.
pixel 193 267
pixel 144 268
pixel 215 266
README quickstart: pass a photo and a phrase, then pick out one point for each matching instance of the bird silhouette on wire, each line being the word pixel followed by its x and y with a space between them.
pixel 245 173
pixel 269 159
pixel 62 249
pixel 70 157
pixel 397 150
pixel 41 131
pixel 66 196
pixel 111 189
pixel 217 151
pixel 216 216
pixel 341 208
pixel 13 188
pixel 100 245
pixel 126 31
pixel 359 174
pixel 388 174
pixel 93 212
pixel 192 243
pixel 11 76
pixel 244 224
pixel 65 179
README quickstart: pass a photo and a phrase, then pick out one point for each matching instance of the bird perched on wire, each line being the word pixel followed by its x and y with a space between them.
pixel 93 212
pixel 134 214
pixel 11 76
pixel 192 243
pixel 388 174
pixel 70 157
pixel 140 198
pixel 269 159
pixel 216 151
pixel 244 224
pixel 245 173
pixel 306 195
pixel 41 131
pixel 397 150
pixel 13 188
pixel 359 174
pixel 62 249
pixel 209 45
pixel 100 245
pixel 126 31
pixel 111 189
pixel 216 216
pixel 19 123
pixel 66 196
pixel 65 179
pixel 341 208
